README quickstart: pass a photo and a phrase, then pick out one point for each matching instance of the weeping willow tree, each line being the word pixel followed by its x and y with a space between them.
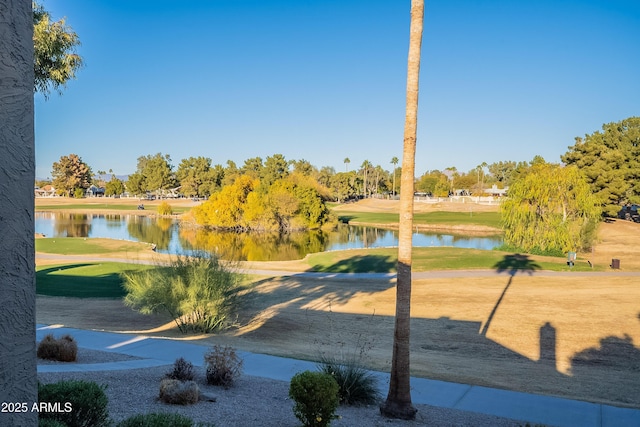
pixel 550 210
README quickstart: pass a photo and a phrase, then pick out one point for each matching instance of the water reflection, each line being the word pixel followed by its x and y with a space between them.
pixel 170 237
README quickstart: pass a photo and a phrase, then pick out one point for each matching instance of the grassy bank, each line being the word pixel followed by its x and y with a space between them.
pixel 379 260
pixel 83 280
pixel 384 260
pixel 484 219
pixel 84 246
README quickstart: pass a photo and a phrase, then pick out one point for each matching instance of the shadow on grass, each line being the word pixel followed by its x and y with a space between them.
pixel 359 264
pixel 511 264
pixel 515 263
pixel 345 218
pixel 51 282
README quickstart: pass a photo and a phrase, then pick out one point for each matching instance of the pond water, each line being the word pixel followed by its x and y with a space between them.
pixel 170 237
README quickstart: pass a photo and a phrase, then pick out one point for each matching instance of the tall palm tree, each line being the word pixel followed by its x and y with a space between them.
pixel 394 161
pixel 365 168
pixel 346 164
pixel 17 167
pixel 398 403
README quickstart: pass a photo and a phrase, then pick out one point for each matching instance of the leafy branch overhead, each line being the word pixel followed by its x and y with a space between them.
pixel 55 58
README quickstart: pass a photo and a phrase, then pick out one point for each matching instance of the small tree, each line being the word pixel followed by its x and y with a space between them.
pixel 550 210
pixel 71 174
pixel 114 187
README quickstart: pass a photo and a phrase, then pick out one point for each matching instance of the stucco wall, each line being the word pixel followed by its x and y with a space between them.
pixel 17 173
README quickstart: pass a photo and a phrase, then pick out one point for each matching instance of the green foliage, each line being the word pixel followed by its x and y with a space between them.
pixel 156 420
pixel 316 398
pixel 55 60
pixel 48 422
pixel 154 174
pixel 78 193
pixel 70 175
pixel 610 161
pixel 275 167
pixel 442 187
pixel 165 209
pixel 87 400
pixel 114 187
pixel 182 370
pixel 161 420
pixel 197 177
pixel 223 366
pixel 64 349
pixel 357 385
pixel 550 210
pixel 198 292
pixel 343 185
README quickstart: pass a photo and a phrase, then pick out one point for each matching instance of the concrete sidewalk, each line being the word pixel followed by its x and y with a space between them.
pixel 535 409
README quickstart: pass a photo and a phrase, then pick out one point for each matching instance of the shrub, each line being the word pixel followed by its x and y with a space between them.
pixel 316 397
pixel 156 420
pixel 87 401
pixel 178 392
pixel 223 366
pixel 182 370
pixel 357 386
pixel 160 420
pixel 199 292
pixel 64 349
pixel 165 209
pixel 48 422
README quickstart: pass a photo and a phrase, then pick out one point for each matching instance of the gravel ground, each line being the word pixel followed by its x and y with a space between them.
pixel 252 401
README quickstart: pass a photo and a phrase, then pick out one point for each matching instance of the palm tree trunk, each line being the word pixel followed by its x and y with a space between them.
pixel 398 403
pixel 18 381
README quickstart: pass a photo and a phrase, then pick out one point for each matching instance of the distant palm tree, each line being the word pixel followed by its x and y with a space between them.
pixel 394 161
pixel 365 167
pixel 398 403
pixel 346 164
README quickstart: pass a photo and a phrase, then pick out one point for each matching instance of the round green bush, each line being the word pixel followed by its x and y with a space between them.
pixel 86 400
pixel 316 398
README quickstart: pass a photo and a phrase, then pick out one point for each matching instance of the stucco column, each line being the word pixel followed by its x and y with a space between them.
pixel 18 382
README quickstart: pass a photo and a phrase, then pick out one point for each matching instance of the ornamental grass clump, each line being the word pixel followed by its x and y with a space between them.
pixel 358 386
pixel 63 349
pixel 316 398
pixel 223 366
pixel 176 392
pixel 199 292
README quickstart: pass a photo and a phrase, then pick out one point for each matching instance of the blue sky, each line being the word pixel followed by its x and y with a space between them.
pixel 322 80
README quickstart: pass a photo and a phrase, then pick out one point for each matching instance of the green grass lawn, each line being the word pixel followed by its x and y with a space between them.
pixel 489 219
pixel 384 260
pixel 104 206
pixel 83 280
pixel 85 246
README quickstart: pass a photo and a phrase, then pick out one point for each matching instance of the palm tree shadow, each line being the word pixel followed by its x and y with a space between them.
pixel 511 264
